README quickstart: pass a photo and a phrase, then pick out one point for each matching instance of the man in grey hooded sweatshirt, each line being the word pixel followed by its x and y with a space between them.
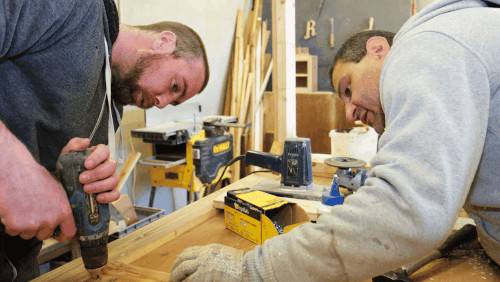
pixel 433 93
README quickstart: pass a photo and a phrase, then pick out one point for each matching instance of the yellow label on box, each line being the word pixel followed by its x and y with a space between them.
pixel 262 200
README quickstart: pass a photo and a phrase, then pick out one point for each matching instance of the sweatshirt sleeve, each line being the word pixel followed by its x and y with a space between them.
pixel 32 25
pixel 436 100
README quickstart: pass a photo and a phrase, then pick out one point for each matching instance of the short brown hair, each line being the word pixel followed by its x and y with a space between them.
pixel 188 42
pixel 354 48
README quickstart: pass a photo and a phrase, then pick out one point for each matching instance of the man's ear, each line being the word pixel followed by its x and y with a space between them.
pixel 165 42
pixel 377 46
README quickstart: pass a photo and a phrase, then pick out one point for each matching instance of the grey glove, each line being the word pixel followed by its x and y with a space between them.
pixel 213 262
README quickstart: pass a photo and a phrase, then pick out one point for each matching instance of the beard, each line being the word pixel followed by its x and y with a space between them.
pixel 124 86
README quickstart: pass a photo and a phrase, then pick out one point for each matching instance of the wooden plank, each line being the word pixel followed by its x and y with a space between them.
pixel 238 132
pixel 253 44
pixel 236 78
pixel 229 85
pixel 259 112
pixel 320 169
pixel 265 39
pixel 126 272
pixel 127 168
pixel 460 266
pixel 213 230
pixel 242 118
pixel 148 238
pixel 246 98
pixel 117 271
pixel 255 120
pixel 126 209
pixel 243 85
pixel 255 87
pixel 283 17
pixel 236 60
pixel 156 246
pixel 249 27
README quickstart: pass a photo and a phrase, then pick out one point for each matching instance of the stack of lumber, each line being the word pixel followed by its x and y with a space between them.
pixel 249 72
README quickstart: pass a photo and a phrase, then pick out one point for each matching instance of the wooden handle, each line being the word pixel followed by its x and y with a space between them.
pixel 332 40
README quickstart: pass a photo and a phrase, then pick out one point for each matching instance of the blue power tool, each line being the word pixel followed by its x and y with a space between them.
pixel 91 217
pixel 295 166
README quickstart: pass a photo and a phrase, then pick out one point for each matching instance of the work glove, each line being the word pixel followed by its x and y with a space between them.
pixel 213 262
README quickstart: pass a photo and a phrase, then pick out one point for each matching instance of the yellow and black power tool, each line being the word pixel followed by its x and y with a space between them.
pixel 187 156
pixel 212 152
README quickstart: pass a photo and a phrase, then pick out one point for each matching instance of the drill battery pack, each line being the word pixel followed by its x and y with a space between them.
pixel 210 154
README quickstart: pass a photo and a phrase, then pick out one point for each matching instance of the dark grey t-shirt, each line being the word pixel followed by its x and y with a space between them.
pixel 52 61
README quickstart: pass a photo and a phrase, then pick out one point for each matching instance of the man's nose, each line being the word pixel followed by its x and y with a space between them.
pixel 162 100
pixel 351 112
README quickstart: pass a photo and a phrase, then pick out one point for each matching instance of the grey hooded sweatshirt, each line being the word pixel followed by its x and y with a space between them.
pixel 440 152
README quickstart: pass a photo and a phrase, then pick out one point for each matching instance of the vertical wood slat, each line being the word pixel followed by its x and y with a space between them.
pixel 283 16
pixel 244 86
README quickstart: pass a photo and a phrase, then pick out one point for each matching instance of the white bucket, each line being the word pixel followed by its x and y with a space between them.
pixel 359 143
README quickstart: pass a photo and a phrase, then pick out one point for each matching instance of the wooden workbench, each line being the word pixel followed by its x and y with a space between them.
pixel 150 251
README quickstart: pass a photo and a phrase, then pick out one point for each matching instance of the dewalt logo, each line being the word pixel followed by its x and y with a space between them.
pixel 222 147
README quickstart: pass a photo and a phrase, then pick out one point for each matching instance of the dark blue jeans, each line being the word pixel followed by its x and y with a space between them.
pixel 18 257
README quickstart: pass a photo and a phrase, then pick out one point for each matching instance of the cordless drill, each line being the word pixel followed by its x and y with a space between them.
pixel 91 217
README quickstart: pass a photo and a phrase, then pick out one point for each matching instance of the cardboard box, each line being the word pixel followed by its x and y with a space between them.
pixel 258 216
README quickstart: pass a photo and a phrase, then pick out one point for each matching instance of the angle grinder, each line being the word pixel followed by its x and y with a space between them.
pixel 347 177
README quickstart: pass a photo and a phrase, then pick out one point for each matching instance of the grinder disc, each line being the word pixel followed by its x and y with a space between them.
pixel 344 162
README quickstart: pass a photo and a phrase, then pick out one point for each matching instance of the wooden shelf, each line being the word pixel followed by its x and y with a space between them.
pixel 306 73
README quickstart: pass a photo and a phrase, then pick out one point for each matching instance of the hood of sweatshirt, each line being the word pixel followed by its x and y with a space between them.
pixel 440 7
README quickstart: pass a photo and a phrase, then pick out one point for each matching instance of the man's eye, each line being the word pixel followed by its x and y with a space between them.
pixel 175 88
pixel 347 91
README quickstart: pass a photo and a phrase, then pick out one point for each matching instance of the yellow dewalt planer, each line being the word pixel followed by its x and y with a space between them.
pixel 188 156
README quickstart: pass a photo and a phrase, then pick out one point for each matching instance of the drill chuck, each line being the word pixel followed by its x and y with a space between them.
pixel 94 250
pixel 91 217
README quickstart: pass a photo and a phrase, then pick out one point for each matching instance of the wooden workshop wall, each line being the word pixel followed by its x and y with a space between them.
pixel 320 112
pixel 349 17
pixel 214 21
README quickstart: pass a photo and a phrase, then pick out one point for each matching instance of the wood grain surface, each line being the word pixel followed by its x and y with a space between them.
pixel 211 231
pixel 460 266
pixel 117 271
pixel 149 252
pixel 137 245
